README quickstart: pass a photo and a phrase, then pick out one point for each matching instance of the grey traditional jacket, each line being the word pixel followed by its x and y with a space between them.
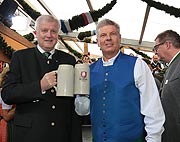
pixel 170 96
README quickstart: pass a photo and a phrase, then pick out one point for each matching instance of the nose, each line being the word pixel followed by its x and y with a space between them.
pixel 108 36
pixel 49 34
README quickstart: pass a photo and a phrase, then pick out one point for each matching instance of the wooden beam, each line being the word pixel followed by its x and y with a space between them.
pixel 85 48
pixel 13 36
pixel 144 23
pixel 89 5
pixel 42 3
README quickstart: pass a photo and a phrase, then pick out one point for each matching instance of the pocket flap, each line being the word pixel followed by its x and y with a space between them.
pixel 23 121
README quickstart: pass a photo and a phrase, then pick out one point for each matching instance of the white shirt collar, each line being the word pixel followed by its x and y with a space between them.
pixel 173 58
pixel 110 62
pixel 42 51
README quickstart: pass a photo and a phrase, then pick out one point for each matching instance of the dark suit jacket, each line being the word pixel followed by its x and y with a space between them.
pixel 39 117
pixel 170 96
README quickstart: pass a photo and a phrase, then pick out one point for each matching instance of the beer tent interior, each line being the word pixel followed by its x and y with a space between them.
pixel 140 21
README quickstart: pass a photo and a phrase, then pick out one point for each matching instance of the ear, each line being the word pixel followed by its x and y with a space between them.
pixel 98 42
pixel 168 45
pixel 120 37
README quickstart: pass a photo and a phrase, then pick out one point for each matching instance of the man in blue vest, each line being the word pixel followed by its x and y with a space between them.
pixel 124 100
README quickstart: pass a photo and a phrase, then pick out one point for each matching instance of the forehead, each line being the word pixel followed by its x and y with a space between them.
pixel 107 28
pixel 48 24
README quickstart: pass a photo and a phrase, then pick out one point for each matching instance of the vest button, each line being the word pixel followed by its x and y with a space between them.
pixel 104 98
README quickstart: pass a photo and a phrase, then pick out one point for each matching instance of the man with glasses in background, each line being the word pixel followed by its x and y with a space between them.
pixel 168 49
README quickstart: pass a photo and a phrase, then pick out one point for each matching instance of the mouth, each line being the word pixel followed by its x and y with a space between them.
pixel 109 44
pixel 48 40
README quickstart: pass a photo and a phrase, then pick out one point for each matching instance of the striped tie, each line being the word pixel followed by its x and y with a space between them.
pixel 46 54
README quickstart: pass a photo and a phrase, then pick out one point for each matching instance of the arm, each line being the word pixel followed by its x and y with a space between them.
pixel 7 111
pixel 8 114
pixel 151 107
pixel 21 84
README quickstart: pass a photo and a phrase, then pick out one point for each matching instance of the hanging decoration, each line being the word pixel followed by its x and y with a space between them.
pixel 77 54
pixel 168 9
pixel 85 18
pixel 89 40
pixel 29 37
pixel 83 35
pixel 7 50
pixel 31 12
pixel 140 53
pixel 76 21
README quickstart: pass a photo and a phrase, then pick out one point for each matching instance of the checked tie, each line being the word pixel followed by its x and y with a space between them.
pixel 46 54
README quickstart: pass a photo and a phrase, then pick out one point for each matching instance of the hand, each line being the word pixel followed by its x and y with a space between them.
pixel 48 81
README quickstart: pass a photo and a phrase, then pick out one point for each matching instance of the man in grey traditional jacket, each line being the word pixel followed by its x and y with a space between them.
pixel 167 47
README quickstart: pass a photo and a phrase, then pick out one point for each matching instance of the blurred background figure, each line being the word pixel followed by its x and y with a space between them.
pixel 86 59
pixel 6 112
pixel 156 65
pixel 158 83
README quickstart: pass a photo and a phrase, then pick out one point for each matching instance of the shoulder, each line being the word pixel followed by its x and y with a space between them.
pixel 64 54
pixel 24 51
pixel 99 61
pixel 131 60
pixel 61 55
pixel 123 55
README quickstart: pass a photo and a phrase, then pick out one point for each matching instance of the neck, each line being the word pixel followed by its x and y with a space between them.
pixel 106 57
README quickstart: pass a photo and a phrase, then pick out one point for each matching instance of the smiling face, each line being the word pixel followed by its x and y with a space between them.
pixel 108 40
pixel 47 33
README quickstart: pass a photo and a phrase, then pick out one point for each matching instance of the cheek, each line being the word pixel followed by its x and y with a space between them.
pixel 161 55
pixel 117 40
pixel 99 43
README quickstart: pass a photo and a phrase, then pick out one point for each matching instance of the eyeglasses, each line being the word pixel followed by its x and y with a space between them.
pixel 157 46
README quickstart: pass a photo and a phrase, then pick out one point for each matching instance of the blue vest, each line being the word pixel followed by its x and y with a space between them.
pixel 115 102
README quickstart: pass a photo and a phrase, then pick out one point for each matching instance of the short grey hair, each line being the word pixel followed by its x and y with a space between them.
pixel 47 18
pixel 106 22
pixel 170 35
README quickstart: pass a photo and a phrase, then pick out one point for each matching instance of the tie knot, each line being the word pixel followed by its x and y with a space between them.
pixel 46 54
